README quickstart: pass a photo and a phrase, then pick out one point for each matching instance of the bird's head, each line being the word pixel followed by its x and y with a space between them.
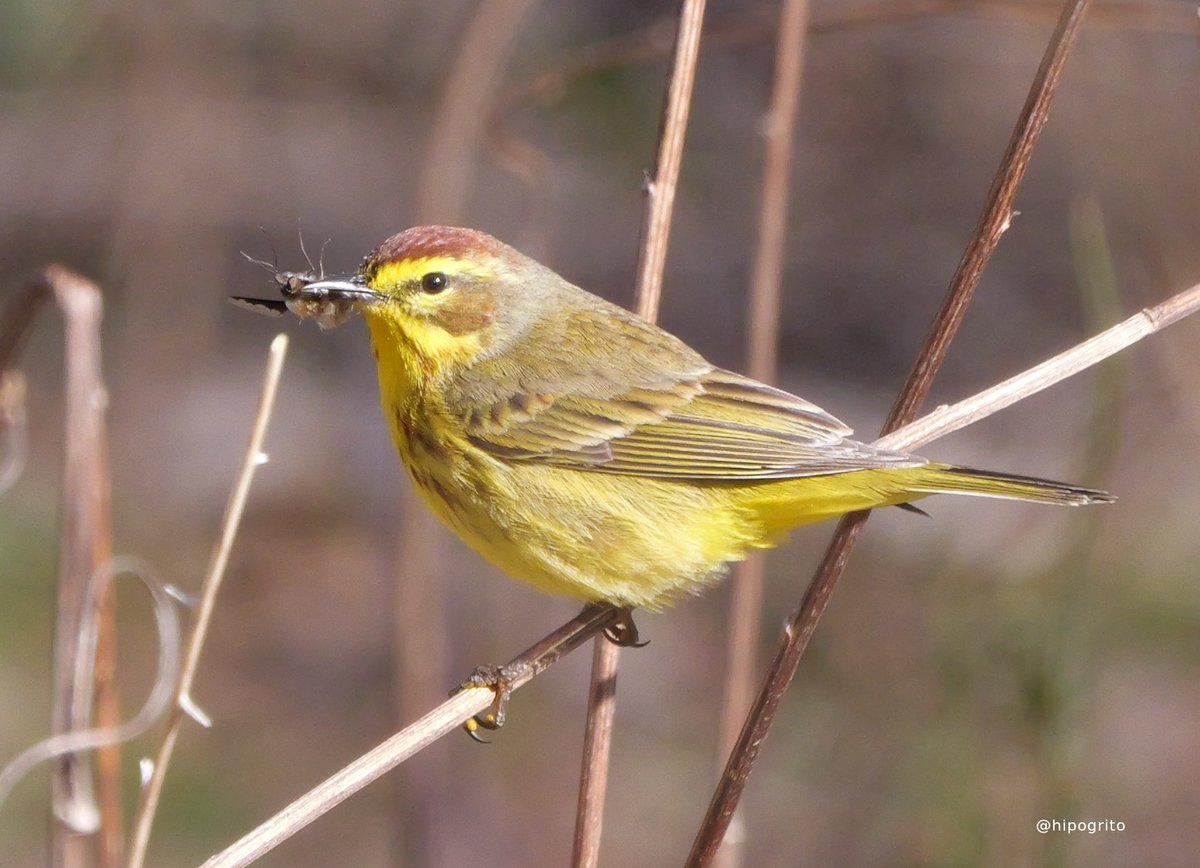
pixel 445 295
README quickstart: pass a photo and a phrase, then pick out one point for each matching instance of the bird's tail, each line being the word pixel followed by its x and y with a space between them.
pixel 948 479
pixel 790 503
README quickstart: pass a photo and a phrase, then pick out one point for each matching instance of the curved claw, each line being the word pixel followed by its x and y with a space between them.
pixel 498 679
pixel 471 727
pixel 623 632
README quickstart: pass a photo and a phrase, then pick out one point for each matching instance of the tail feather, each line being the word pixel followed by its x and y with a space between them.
pixel 948 479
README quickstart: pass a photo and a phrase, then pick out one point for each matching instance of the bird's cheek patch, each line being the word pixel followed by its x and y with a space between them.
pixel 467 312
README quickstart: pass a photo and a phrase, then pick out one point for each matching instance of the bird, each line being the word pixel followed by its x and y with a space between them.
pixel 587 451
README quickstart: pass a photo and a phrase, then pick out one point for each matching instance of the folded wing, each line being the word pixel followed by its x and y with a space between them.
pixel 683 420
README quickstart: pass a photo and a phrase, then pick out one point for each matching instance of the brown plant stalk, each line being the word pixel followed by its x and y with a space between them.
pixel 762 336
pixel 81 810
pixel 660 188
pixel 746 27
pixel 597 753
pixel 994 221
pixel 182 704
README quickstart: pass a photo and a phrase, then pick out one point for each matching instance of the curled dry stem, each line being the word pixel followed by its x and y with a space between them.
pixel 167 621
pixel 84 544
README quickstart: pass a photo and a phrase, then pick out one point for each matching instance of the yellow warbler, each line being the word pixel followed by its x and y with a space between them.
pixel 591 453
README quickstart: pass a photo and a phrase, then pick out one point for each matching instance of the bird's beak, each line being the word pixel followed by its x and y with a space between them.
pixel 334 289
pixel 328 301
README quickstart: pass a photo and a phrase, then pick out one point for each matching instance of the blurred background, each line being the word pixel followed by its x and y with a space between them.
pixel 976 671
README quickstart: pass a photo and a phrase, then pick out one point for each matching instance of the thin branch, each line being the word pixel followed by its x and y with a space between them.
pixel 597 752
pixel 106 701
pixel 745 27
pixel 802 622
pixel 762 338
pixel 947 419
pixel 183 704
pixel 444 719
pixel 660 188
pixel 85 546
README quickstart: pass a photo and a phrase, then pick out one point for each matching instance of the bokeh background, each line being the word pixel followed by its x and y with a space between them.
pixel 978 671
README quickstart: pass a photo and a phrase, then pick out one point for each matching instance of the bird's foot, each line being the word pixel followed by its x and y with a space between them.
pixel 623 632
pixel 498 679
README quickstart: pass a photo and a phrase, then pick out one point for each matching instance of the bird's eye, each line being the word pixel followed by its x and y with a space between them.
pixel 434 281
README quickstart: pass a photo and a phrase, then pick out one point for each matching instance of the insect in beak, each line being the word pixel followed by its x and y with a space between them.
pixel 289 284
pixel 329 301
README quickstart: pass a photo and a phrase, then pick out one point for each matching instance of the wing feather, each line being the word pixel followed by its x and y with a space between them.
pixel 718 433
pixel 635 400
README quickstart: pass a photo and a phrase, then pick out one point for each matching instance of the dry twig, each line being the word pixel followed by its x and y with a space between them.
pixel 597 753
pixel 802 622
pixel 446 718
pixel 762 336
pixel 183 705
pixel 660 190
pixel 85 545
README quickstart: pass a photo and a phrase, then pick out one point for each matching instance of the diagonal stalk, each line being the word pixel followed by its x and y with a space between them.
pixel 803 621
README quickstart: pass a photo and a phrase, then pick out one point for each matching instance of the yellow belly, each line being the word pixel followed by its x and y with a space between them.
pixel 593 536
pixel 625 539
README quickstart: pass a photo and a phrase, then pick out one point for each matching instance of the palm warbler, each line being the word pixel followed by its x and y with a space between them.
pixel 589 452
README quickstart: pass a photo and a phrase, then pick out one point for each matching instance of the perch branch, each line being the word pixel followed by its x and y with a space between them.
pixel 446 718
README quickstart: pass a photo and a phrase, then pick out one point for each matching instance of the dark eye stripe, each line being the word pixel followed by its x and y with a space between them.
pixel 435 281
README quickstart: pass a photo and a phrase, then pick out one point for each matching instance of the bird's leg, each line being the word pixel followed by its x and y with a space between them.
pixel 505 678
pixel 622 632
